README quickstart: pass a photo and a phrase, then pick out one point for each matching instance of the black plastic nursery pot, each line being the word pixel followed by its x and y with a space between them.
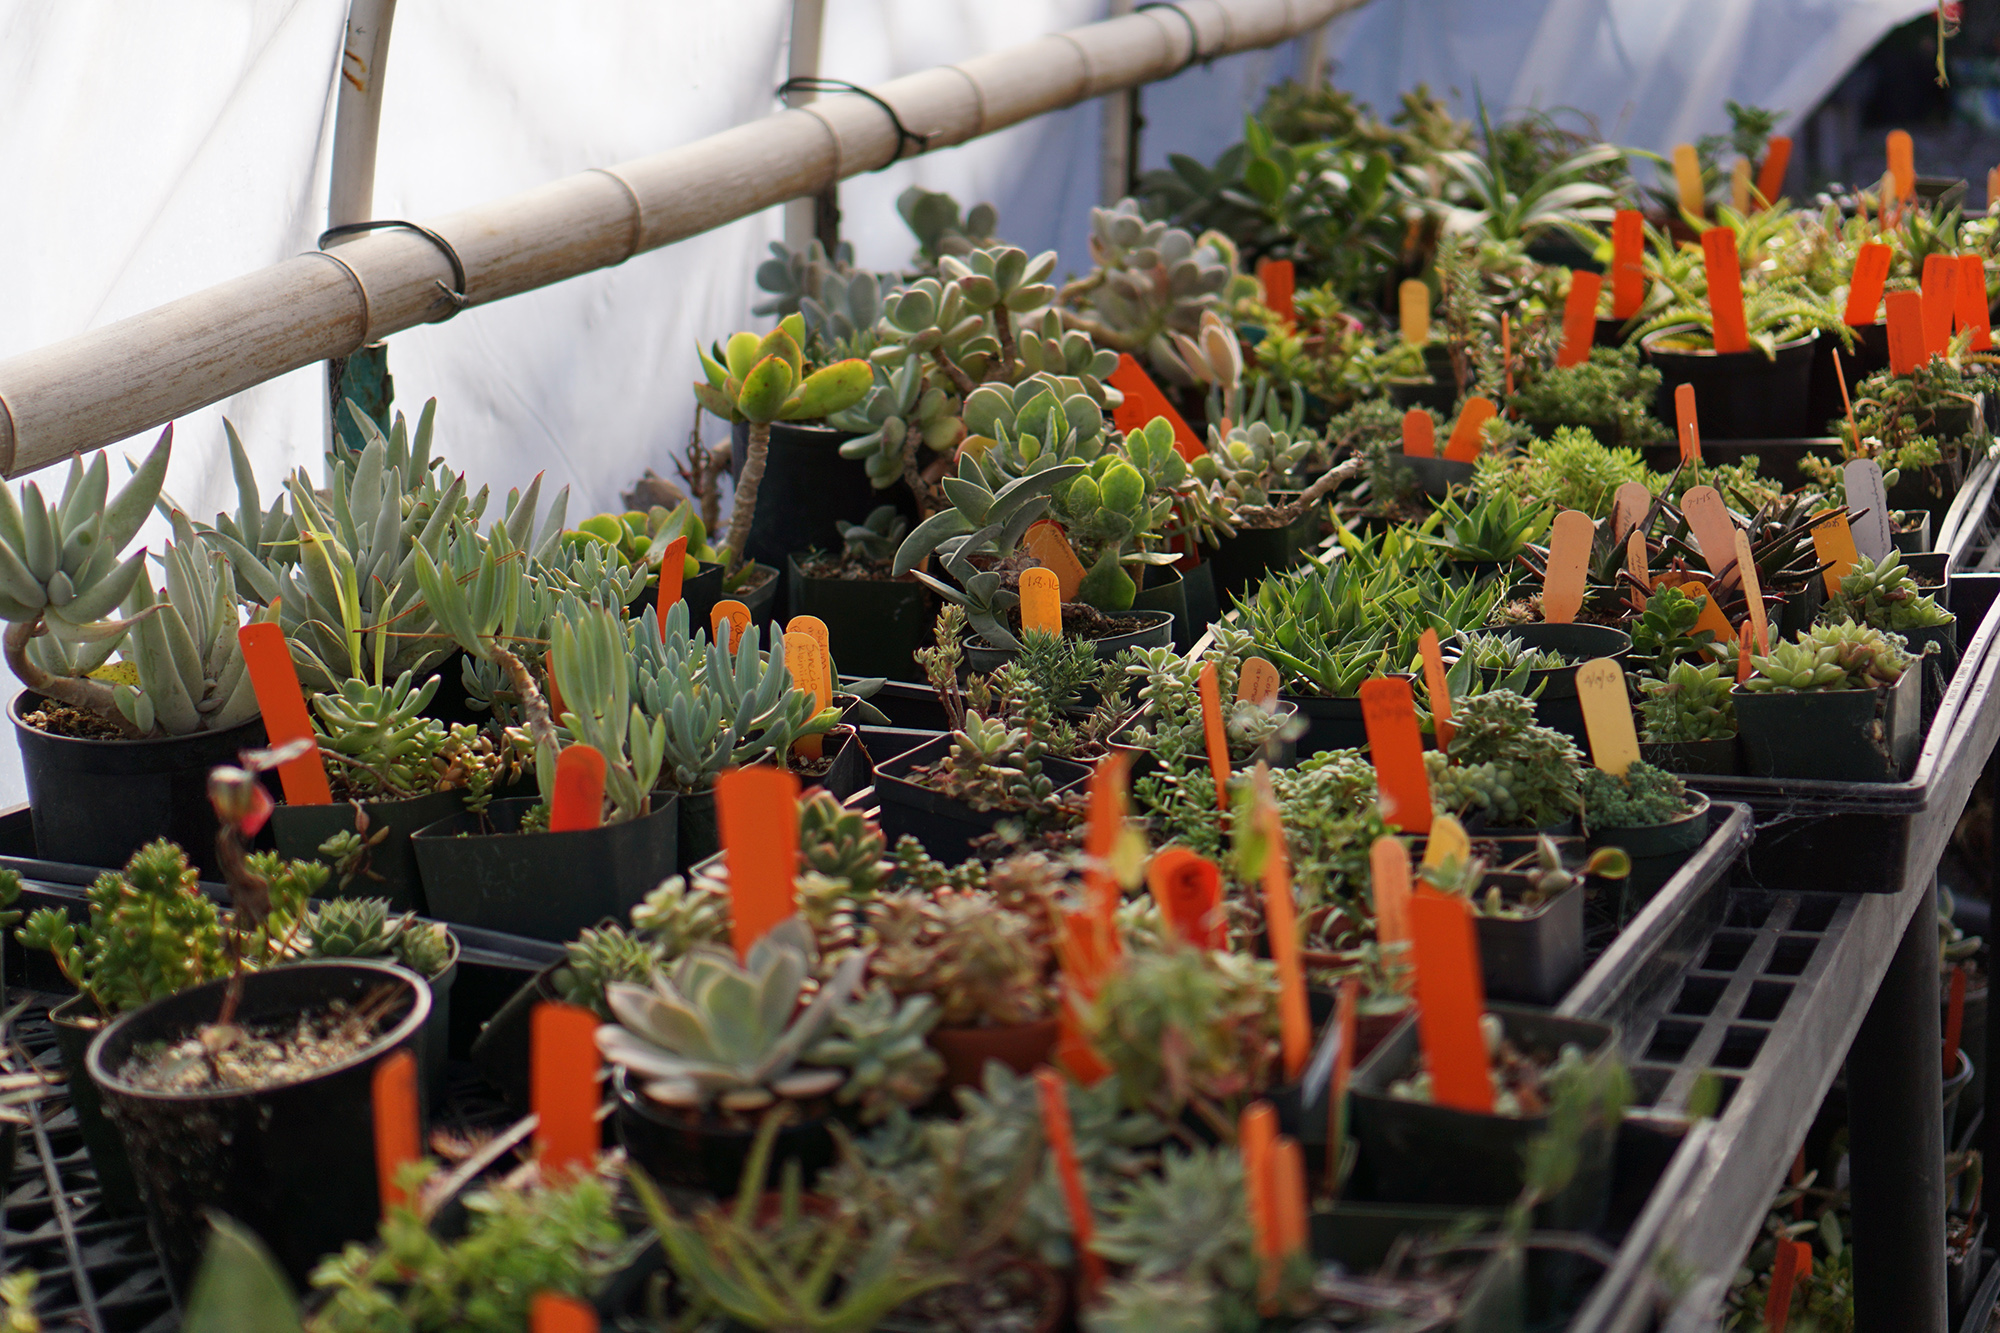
pixel 1331 724
pixel 1419 1152
pixel 1915 539
pixel 1952 1089
pixel 434 1041
pixel 700 837
pixel 944 826
pixel 1242 562
pixel 1531 959
pixel 1436 476
pixel 1360 1236
pixel 546 886
pixel 1149 629
pixel 1777 459
pixel 1277 753
pixel 1166 590
pixel 807 491
pixel 76 1025
pixel 1870 353
pixel 392 866
pixel 1717 758
pixel 706 1155
pixel 95 803
pixel 1658 850
pixel 504 1046
pixel 762 600
pixel 1831 735
pixel 1738 395
pixel 701 593
pixel 294 1162
pixel 875 625
pixel 1554 690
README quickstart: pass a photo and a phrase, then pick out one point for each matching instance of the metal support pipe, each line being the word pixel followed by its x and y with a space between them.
pixel 817 218
pixel 134 375
pixel 1896 1141
pixel 357 115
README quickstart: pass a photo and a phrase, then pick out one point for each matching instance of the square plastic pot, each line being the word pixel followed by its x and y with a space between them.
pixel 1831 735
pixel 301 829
pixel 875 625
pixel 1531 959
pixel 944 826
pixel 545 886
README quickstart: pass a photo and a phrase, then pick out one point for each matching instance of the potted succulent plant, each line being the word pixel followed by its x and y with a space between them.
pixel 1647 813
pixel 1688 720
pixel 1549 656
pixel 1503 771
pixel 1254 474
pixel 876 619
pixel 1885 594
pixel 1485 536
pixel 951 790
pixel 1839 704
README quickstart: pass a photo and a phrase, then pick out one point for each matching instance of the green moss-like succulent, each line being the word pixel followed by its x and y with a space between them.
pixel 1643 797
pixel 1504 765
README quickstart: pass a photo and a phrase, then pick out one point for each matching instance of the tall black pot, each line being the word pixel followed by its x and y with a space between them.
pixel 807 491
pixel 95 803
pixel 1870 353
pixel 1241 562
pixel 874 624
pixel 1738 395
pixel 76 1025
pixel 545 886
pixel 294 1162
pixel 301 829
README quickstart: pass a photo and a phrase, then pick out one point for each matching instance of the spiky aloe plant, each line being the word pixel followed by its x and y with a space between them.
pixel 60 577
pixel 589 650
pixel 762 380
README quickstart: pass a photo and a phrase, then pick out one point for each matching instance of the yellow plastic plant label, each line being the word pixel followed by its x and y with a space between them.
pixel 1049 544
pixel 806 660
pixel 1607 715
pixel 1739 185
pixel 1753 593
pixel 1413 303
pixel 1568 567
pixel 816 627
pixel 1687 180
pixel 1833 543
pixel 1448 843
pixel 1041 600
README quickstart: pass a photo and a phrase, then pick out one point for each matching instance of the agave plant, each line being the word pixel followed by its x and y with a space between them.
pixel 716 1032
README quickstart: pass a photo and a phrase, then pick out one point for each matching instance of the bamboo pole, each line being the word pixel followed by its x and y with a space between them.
pixel 142 372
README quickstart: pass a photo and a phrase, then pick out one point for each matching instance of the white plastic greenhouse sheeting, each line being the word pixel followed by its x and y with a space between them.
pixel 150 151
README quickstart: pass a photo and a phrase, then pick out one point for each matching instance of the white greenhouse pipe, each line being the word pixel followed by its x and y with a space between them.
pixel 357 115
pixel 144 371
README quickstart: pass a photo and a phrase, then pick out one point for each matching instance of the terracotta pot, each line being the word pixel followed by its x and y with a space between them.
pixel 1020 1047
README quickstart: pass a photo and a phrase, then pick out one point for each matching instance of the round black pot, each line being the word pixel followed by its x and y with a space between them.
pixel 1331 724
pixel 1658 850
pixel 1419 1152
pixel 434 1042
pixel 76 1025
pixel 1150 629
pixel 1241 562
pixel 1830 735
pixel 295 1163
pixel 1826 409
pixel 1716 758
pixel 1739 395
pixel 502 1049
pixel 710 1157
pixel 545 886
pixel 301 829
pixel 1554 690
pixel 875 625
pixel 807 491
pixel 1609 333
pixel 1405 394
pixel 95 803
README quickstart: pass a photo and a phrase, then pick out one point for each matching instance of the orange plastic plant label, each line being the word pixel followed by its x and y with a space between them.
pixel 1771 176
pixel 1954 1019
pixel 1450 999
pixel 1744 666
pixel 816 627
pixel 1688 425
pixel 1579 317
pixel 1277 277
pixel 1215 735
pixel 1939 302
pixel 1833 544
pixel 1107 820
pixel 1725 290
pixel 1864 289
pixel 1054 1100
pixel 1687 181
pixel 1288 1195
pixel 1630 504
pixel 1468 432
pixel 1041 601
pixel 1257 682
pixel 757 814
pixel 1709 523
pixel 1389 876
pixel 1419 434
pixel 1568 568
pixel 1437 686
pixel 553 1313
pixel 673 569
pixel 1413 307
pixel 1049 544
pixel 806 660
pixel 1969 297
pixel 1710 617
pixel 1902 163
pixel 1784 1277
pixel 1628 273
pixel 397 1135
pixel 1906 331
pixel 1256 1137
pixel 733 614
pixel 1753 592
pixel 562 1072
pixel 578 799
pixel 268 659
pixel 1281 924
pixel 1188 889
pixel 1607 715
pixel 1389 712
pixel 1144 401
